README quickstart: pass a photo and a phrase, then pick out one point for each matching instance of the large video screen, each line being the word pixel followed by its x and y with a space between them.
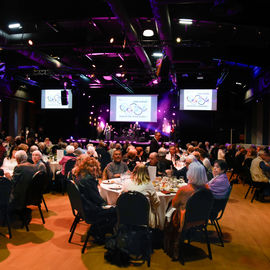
pixel 51 99
pixel 198 99
pixel 133 108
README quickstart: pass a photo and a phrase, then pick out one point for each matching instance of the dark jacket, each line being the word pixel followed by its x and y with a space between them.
pixel 154 146
pixel 91 199
pixel 21 179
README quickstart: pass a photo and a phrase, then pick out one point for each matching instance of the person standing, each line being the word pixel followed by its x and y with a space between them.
pixel 154 145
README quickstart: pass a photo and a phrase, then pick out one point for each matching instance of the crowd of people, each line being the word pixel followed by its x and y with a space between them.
pixel 201 165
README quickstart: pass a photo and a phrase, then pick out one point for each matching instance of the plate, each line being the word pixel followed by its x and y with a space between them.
pixel 107 182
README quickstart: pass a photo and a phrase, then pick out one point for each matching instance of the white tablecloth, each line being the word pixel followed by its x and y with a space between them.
pixel 111 195
pixel 55 166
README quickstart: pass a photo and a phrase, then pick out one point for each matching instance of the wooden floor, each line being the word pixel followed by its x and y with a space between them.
pixel 246 228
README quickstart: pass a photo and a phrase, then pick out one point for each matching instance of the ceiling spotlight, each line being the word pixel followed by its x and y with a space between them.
pixel 148 33
pixel 185 21
pixel 93 66
pixel 178 39
pixel 107 78
pixel 121 66
pixel 157 54
pixel 30 42
pixel 112 40
pixel 118 74
pixel 14 26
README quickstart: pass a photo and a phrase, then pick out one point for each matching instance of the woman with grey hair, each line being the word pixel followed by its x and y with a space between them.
pixel 37 159
pixel 197 180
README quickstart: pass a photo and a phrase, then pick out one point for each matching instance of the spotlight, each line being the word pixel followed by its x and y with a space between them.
pixel 148 33
pixel 121 66
pixel 111 40
pixel 93 66
pixel 157 54
pixel 178 39
pixel 185 21
pixel 30 42
pixel 14 26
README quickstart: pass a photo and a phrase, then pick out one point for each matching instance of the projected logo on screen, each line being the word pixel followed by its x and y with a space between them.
pixel 54 99
pixel 197 99
pixel 133 108
pixel 200 100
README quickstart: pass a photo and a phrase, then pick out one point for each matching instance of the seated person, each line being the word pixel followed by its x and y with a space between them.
pixel 131 159
pixel 172 155
pixel 141 155
pixel 260 171
pixel 164 165
pixel 86 171
pixel 70 155
pixel 197 180
pixel 220 184
pixel 10 162
pixel 31 150
pixel 140 181
pixel 117 166
pixel 182 173
pixel 37 159
pixel 22 176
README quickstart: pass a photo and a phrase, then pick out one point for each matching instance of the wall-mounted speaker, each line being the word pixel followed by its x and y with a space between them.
pixel 64 97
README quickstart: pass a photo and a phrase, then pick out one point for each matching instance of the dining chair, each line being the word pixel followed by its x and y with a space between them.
pixel 216 213
pixel 5 189
pixel 133 217
pixel 78 211
pixel 197 214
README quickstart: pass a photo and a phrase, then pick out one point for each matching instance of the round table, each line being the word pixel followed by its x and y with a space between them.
pixel 111 191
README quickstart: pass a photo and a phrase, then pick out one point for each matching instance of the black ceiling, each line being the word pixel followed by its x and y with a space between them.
pixel 72 42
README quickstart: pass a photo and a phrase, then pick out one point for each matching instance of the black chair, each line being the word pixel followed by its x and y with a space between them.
pixel 5 189
pixel 258 188
pixel 133 214
pixel 77 210
pixel 249 181
pixel 64 178
pixel 34 194
pixel 216 214
pixel 198 210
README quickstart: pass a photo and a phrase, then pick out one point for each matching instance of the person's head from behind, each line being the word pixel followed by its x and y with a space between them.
pixel 139 151
pixel 33 148
pixel 132 153
pixel 21 156
pixel 153 159
pixel 117 156
pixel 23 146
pixel 70 149
pixel 189 159
pixel 1 172
pixel 190 149
pixel 196 174
pixel 162 152
pixel 140 174
pixel 265 155
pixel 86 165
pixel 196 154
pixel 36 156
pixel 157 135
pixel 220 167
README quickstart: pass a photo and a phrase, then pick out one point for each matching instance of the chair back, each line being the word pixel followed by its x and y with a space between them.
pixel 74 196
pixel 5 189
pixel 219 206
pixel 133 208
pixel 69 165
pixel 198 207
pixel 36 188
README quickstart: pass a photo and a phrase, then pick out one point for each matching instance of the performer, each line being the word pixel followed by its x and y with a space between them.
pixel 107 132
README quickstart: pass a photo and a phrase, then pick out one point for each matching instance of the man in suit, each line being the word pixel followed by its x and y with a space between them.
pixel 154 145
pixel 20 180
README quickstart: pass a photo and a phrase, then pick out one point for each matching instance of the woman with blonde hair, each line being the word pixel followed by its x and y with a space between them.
pixel 140 181
pixel 86 171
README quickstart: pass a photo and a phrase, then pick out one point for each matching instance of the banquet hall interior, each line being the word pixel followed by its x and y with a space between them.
pixel 97 74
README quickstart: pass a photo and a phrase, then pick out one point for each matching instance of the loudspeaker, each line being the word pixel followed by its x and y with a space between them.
pixel 64 97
